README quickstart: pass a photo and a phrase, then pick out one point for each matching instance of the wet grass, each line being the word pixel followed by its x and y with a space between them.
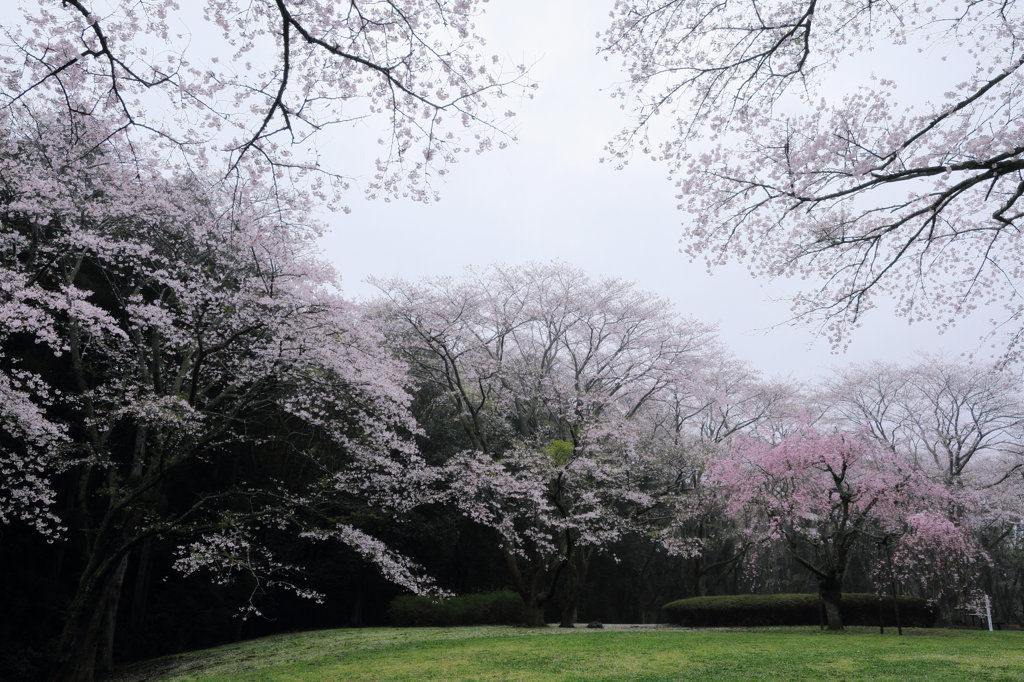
pixel 501 653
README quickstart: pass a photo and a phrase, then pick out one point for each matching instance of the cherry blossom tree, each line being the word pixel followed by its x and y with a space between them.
pixel 961 425
pixel 548 374
pixel 825 494
pixel 273 84
pixel 945 415
pixel 176 365
pixel 726 400
pixel 786 156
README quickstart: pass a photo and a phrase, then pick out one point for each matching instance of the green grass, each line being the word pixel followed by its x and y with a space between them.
pixel 502 653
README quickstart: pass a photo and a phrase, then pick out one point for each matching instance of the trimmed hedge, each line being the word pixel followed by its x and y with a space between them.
pixel 747 610
pixel 493 608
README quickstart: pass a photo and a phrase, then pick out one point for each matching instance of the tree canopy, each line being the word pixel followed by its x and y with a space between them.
pixel 160 330
pixel 788 156
pixel 254 87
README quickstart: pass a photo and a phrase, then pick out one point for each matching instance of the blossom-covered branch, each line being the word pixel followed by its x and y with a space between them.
pixel 863 190
pixel 410 75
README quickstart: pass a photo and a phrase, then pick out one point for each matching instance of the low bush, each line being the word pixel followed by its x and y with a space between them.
pixel 493 608
pixel 748 610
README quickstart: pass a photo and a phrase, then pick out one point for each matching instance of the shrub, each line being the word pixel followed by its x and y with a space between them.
pixel 493 608
pixel 794 609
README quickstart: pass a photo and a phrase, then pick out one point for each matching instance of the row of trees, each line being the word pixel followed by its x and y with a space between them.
pixel 184 390
pixel 587 412
pixel 183 387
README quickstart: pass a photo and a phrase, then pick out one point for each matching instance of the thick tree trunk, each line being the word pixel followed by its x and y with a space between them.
pixel 534 614
pixel 75 659
pixel 569 610
pixel 541 588
pixel 109 625
pixel 575 578
pixel 99 585
pixel 572 590
pixel 534 594
pixel 140 599
pixel 830 591
pixel 702 580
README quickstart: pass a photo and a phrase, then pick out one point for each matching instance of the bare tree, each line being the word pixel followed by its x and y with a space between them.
pixel 944 415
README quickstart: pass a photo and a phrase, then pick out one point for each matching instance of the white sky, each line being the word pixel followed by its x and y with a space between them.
pixel 547 197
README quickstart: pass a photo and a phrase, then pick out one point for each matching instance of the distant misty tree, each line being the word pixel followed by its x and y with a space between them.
pixel 552 379
pixel 863 190
pixel 950 417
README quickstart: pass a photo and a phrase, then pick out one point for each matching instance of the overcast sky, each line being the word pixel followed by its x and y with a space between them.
pixel 548 197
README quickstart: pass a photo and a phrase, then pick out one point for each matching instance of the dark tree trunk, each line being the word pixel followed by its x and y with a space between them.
pixel 702 580
pixel 109 624
pixel 534 614
pixel 830 591
pixel 140 598
pixel 575 579
pixel 75 659
pixel 536 593
pixel 100 584
pixel 572 591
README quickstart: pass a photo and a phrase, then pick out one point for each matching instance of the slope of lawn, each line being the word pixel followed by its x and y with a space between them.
pixel 502 653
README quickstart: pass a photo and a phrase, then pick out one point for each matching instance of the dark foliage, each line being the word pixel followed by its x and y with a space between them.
pixel 493 608
pixel 750 610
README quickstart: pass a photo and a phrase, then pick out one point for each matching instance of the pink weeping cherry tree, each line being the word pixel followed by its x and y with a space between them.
pixel 960 424
pixel 826 494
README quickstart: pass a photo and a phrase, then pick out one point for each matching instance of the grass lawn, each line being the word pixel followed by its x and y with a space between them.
pixel 501 653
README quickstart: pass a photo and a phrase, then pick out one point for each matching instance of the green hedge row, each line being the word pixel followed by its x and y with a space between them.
pixel 794 609
pixel 493 608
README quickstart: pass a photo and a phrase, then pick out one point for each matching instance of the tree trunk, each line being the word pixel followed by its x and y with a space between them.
pixel 534 594
pixel 575 578
pixel 541 588
pixel 534 614
pixel 702 579
pixel 75 658
pixel 572 591
pixel 109 624
pixel 100 583
pixel 140 599
pixel 830 591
